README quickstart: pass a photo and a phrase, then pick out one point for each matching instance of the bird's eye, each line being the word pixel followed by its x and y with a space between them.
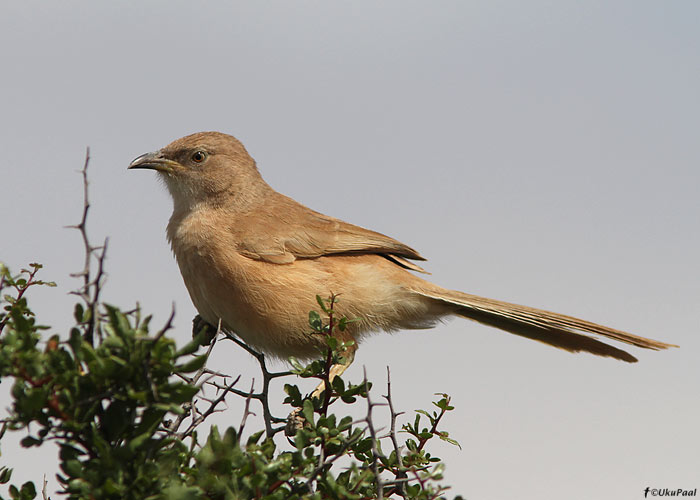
pixel 198 156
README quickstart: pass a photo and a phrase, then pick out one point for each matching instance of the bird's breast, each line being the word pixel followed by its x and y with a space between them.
pixel 259 301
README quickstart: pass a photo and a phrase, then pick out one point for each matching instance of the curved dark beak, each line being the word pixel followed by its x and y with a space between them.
pixel 153 161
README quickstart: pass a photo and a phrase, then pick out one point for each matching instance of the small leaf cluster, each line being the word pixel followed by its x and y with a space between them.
pixel 318 326
pixel 15 306
pixel 416 455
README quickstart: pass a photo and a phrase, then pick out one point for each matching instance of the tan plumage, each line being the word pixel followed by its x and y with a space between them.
pixel 255 259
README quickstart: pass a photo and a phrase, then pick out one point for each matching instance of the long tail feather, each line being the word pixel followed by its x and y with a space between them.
pixel 558 330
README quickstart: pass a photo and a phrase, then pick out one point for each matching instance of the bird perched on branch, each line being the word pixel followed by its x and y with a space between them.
pixel 255 260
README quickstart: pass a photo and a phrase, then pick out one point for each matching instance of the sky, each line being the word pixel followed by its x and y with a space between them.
pixel 544 153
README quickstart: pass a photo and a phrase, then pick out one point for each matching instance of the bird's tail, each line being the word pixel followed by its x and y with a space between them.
pixel 558 330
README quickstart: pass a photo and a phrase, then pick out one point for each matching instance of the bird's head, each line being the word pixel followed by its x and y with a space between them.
pixel 205 168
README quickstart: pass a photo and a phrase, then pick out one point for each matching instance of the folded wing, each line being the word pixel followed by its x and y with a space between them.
pixel 297 232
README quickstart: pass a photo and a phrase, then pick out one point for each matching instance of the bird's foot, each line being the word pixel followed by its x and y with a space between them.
pixel 199 325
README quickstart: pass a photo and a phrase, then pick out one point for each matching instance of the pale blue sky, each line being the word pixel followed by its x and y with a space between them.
pixel 540 152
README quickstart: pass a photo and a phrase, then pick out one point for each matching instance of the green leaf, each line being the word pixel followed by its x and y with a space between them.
pixel 171 407
pixel 444 403
pixel 253 439
pixel 338 385
pixel 72 468
pixel 28 491
pixel 111 488
pixel 79 486
pixel 150 420
pixel 296 365
pixel 138 441
pixel 182 393
pixel 443 436
pixel 115 419
pixel 140 396
pixel 5 475
pixel 35 399
pixel 364 446
pixel 301 439
pixel 332 343
pixel 78 312
pixel 113 343
pixel 192 346
pixel 315 321
pixel 68 452
pixel 182 492
pixel 30 441
pixel 192 365
pixel 293 395
pixel 307 411
pixel 322 303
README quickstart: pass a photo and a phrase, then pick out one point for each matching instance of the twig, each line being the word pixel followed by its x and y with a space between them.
pixel 401 473
pixel 212 407
pixel 45 495
pixel 20 290
pixel 339 454
pixel 375 449
pixel 433 429
pixel 246 410
pixel 263 396
pixel 193 381
pixel 168 325
pixel 90 291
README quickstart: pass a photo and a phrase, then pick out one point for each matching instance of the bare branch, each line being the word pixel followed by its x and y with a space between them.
pixel 246 410
pixel 392 434
pixel 90 290
pixel 45 495
pixel 263 396
pixel 191 410
pixel 375 448
pixel 212 407
pixel 168 325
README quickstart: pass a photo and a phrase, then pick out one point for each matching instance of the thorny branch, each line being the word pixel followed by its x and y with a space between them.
pixel 326 379
pixel 246 410
pixel 199 417
pixel 375 448
pixel 263 395
pixel 401 474
pixel 191 411
pixel 92 285
pixel 207 377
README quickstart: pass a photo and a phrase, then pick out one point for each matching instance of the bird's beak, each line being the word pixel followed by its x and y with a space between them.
pixel 154 161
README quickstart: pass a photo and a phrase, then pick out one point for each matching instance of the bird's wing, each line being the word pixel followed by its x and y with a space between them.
pixel 294 232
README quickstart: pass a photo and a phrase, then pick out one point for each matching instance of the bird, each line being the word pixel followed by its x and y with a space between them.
pixel 254 261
